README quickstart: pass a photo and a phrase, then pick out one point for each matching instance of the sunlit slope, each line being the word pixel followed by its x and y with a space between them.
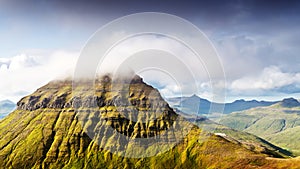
pixel 278 123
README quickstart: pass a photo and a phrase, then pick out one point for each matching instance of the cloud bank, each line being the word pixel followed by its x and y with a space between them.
pixel 22 74
pixel 247 77
pixel 271 79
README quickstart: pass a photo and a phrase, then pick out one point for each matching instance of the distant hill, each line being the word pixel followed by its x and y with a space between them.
pixel 51 129
pixel 197 105
pixel 289 102
pixel 278 123
pixel 247 140
pixel 6 106
pixel 288 138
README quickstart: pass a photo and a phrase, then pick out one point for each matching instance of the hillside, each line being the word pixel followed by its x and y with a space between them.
pixel 53 128
pixel 247 140
pixel 290 134
pixel 278 123
pixel 6 106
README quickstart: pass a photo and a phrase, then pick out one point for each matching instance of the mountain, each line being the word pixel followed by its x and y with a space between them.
pixel 195 104
pixel 278 123
pixel 57 127
pixel 290 102
pixel 240 105
pixel 6 106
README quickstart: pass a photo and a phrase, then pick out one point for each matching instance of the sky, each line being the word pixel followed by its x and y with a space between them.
pixel 257 42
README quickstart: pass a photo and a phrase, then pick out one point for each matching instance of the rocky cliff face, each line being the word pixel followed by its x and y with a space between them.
pixel 65 126
pixel 57 124
pixel 131 107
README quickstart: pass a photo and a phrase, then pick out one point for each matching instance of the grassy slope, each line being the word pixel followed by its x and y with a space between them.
pixel 245 139
pixel 292 134
pixel 271 123
pixel 27 148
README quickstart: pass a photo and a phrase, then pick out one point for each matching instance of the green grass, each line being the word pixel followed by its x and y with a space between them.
pixel 275 123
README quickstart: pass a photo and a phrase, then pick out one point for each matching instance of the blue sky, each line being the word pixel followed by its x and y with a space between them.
pixel 258 42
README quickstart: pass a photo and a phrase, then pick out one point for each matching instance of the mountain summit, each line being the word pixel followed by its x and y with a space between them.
pixel 62 125
pixel 290 102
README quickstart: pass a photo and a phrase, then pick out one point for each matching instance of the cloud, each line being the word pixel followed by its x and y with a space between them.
pixel 271 79
pixel 164 63
pixel 22 74
pixel 168 69
pixel 245 54
pixel 239 54
pixel 19 62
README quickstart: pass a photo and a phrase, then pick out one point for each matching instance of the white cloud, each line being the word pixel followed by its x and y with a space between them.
pixel 22 61
pixel 163 62
pixel 271 78
pixel 166 64
pixel 22 74
pixel 246 54
pixel 240 55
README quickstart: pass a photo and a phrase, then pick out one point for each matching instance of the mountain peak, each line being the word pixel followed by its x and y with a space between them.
pixel 239 101
pixel 290 102
pixel 194 96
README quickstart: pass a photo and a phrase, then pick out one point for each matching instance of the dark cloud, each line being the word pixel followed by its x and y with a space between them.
pixel 213 9
pixel 232 15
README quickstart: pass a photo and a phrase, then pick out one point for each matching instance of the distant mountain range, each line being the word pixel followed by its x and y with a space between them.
pixel 278 123
pixel 6 106
pixel 196 105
